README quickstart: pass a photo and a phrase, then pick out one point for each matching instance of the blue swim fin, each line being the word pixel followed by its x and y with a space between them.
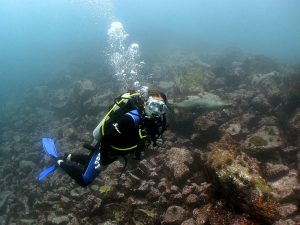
pixel 47 172
pixel 49 147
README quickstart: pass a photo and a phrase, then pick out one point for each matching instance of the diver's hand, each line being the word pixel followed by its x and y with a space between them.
pixel 159 142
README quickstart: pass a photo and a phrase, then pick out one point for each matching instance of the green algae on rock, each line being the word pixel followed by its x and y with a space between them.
pixel 192 81
pixel 107 191
pixel 265 139
pixel 241 185
pixel 257 141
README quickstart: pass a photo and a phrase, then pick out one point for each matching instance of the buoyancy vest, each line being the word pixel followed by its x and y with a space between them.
pixel 135 115
pixel 125 104
pixel 121 106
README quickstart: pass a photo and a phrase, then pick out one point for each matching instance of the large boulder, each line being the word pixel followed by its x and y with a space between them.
pixel 273 171
pixel 174 215
pixel 294 125
pixel 192 81
pixel 179 162
pixel 265 139
pixel 237 176
pixel 287 187
pixel 269 85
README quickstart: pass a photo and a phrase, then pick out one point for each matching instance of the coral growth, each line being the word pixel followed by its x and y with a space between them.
pixel 192 81
pixel 243 186
pixel 265 139
pixel 273 171
pixel 257 141
pixel 169 185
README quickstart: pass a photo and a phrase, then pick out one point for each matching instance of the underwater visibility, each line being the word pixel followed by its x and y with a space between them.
pixel 150 112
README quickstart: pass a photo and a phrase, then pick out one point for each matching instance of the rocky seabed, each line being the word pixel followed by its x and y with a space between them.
pixel 233 165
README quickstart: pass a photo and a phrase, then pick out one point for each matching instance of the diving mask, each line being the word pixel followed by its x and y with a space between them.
pixel 155 107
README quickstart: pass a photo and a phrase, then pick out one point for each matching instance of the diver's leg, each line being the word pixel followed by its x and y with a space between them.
pixel 75 172
pixel 107 156
pixel 92 168
pixel 79 158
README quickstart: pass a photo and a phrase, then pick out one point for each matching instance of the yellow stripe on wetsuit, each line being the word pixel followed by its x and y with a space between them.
pixel 129 148
pixel 123 149
pixel 124 97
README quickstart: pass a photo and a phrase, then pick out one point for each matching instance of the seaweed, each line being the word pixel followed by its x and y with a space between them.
pixel 236 180
pixel 191 81
pixel 257 141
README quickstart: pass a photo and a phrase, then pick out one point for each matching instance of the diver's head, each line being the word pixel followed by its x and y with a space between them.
pixel 155 120
pixel 155 106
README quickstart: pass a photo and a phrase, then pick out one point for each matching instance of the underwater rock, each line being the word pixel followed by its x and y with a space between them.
pixel 145 167
pixel 192 81
pixel 132 181
pixel 268 121
pixel 266 139
pixel 295 120
pixel 275 171
pixel 74 221
pixel 206 127
pixel 174 189
pixel 192 199
pixel 241 96
pixel 289 153
pixel 233 128
pixel 190 221
pixel 76 193
pixel 83 88
pixel 286 222
pixel 268 84
pixel 109 223
pixel 205 123
pixel 163 186
pixel 89 204
pixel 248 119
pixel 201 214
pixel 108 192
pixel 298 159
pixel 145 186
pixel 173 216
pixel 237 69
pixel 291 90
pixel 261 103
pixel 26 166
pixel 179 161
pixel 188 189
pixel 290 150
pixel 286 210
pixel 287 187
pixel 144 216
pixel 118 212
pixel 153 194
pixel 176 199
pixel 60 100
pixel 4 195
pixel 59 220
pixel 237 178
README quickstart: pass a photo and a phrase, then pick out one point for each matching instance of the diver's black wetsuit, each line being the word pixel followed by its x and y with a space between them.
pixel 121 138
pixel 86 172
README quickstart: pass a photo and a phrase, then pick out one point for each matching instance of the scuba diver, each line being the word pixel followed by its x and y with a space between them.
pixel 134 121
